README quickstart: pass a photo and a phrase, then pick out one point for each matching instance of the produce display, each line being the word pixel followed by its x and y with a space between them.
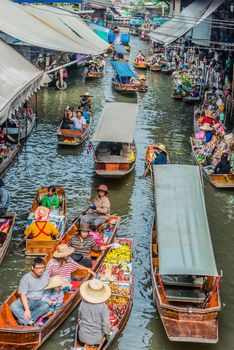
pixel 116 270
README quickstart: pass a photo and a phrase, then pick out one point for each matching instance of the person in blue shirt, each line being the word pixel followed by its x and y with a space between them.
pixel 208 129
pixel 158 158
pixel 85 114
pixel 161 158
pixel 4 199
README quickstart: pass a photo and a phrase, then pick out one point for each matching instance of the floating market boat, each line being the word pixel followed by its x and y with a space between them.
pixel 184 273
pixel 6 156
pixel 69 137
pixel 24 129
pixel 217 180
pixel 57 217
pixel 124 81
pixel 6 226
pixel 115 154
pixel 93 75
pixel 191 99
pixel 16 337
pixel 155 67
pixel 149 156
pixel 140 64
pixel 120 53
pixel 125 41
pixel 116 270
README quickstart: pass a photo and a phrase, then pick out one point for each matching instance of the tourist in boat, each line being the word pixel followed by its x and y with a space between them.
pixel 51 200
pixel 99 211
pixel 27 110
pixel 93 313
pixel 29 307
pixel 85 114
pixel 53 296
pixel 5 139
pixel 223 167
pixel 63 265
pixel 4 199
pixel 41 229
pixel 83 243
pixel 86 102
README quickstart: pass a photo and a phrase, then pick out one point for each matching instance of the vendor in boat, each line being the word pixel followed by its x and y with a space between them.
pixel 223 167
pixel 51 200
pixel 86 102
pixel 63 265
pixel 195 92
pixel 159 157
pixel 208 132
pixel 99 211
pixel 83 243
pixel 142 87
pixel 93 313
pixel 140 54
pixel 4 199
pixel 41 229
pixel 29 307
pixel 5 139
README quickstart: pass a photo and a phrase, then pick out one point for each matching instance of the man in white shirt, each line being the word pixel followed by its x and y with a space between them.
pixel 78 121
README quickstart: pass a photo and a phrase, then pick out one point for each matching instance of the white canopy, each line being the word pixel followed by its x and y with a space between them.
pixel 191 16
pixel 49 28
pixel 117 123
pixel 18 80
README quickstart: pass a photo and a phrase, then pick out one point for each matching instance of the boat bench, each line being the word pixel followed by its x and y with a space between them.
pixel 183 281
pixel 185 296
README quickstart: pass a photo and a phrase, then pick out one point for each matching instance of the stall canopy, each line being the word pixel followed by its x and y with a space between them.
pixel 125 38
pixel 117 123
pixel 184 241
pixel 123 69
pixel 48 27
pixel 18 80
pixel 120 49
pixel 190 17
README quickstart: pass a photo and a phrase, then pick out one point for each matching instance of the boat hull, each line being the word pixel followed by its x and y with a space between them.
pixel 5 245
pixel 125 89
pixel 72 138
pixel 6 162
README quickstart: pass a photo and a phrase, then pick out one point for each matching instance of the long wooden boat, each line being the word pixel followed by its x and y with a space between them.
pixel 217 180
pixel 155 68
pixel 93 75
pixel 167 70
pixel 7 159
pixel 191 99
pixel 127 89
pixel 22 129
pixel 176 96
pixel 42 247
pixel 151 149
pixel 141 65
pixel 68 137
pixel 6 233
pixel 185 290
pixel 121 290
pixel 115 153
pixel 16 337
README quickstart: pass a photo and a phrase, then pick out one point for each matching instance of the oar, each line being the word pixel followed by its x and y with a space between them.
pixel 78 218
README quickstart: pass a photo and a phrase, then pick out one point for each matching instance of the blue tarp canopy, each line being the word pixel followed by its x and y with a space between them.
pixel 120 49
pixel 111 37
pixel 48 1
pixel 125 38
pixel 123 69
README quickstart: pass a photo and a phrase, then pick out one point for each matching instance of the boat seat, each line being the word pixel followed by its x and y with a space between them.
pixel 184 281
pixel 185 296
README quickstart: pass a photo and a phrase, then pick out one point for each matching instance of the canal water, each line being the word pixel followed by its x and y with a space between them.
pixel 41 162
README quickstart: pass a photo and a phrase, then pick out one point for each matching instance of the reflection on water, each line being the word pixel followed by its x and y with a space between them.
pixel 41 162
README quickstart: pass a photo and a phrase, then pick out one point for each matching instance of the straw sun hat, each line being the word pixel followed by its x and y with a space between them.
pixel 206 127
pixel 95 291
pixel 161 147
pixel 56 281
pixel 42 213
pixel 103 188
pixel 63 251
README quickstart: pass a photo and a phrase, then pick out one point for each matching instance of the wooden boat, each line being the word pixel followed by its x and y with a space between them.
pixel 93 75
pixel 23 129
pixel 133 32
pixel 115 159
pixel 185 290
pixel 191 99
pixel 176 96
pixel 7 158
pixel 16 337
pixel 217 180
pixel 68 137
pixel 124 81
pixel 155 68
pixel 6 233
pixel 118 293
pixel 125 41
pixel 42 247
pixel 168 71
pixel 151 149
pixel 120 53
pixel 141 65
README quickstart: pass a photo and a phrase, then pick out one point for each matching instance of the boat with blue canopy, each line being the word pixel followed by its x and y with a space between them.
pixel 119 53
pixel 125 79
pixel 125 41
pixel 184 272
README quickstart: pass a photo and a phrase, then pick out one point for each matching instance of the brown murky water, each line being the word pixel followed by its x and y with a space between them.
pixel 41 162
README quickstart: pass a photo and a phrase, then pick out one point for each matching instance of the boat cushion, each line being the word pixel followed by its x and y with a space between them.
pixel 185 281
pixel 186 296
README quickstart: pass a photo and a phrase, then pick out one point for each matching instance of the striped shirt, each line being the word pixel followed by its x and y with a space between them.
pixel 84 246
pixel 55 269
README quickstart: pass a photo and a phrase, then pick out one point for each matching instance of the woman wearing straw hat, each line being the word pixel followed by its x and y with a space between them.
pixel 63 265
pixel 99 211
pixel 160 157
pixel 85 101
pixel 93 313
pixel 208 132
